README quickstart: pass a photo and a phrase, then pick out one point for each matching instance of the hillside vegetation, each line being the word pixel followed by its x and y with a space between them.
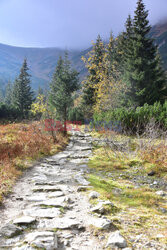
pixel 159 33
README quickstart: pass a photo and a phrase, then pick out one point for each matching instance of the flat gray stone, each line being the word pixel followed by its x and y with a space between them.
pixel 109 203
pixel 24 220
pixel 47 183
pixel 80 155
pixel 79 148
pixel 46 188
pixel 60 223
pixel 98 209
pixel 81 180
pixel 56 194
pixel 45 240
pixel 42 212
pixel 100 223
pixel 10 231
pixel 39 197
pixel 116 240
pixel 79 161
pixel 57 202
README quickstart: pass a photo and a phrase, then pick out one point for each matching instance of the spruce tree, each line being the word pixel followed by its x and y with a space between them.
pixel 144 74
pixel 64 83
pixel 1 96
pixel 110 57
pixel 123 46
pixel 8 94
pixel 23 96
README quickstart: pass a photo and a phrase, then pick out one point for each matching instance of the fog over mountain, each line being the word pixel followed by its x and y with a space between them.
pixel 42 61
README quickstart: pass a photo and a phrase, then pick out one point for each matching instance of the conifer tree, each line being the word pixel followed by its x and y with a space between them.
pixel 1 96
pixel 110 57
pixel 144 74
pixel 22 93
pixel 8 94
pixel 64 83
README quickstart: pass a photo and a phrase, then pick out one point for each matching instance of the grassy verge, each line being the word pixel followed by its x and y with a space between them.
pixel 135 210
pixel 20 145
pixel 150 153
pixel 118 174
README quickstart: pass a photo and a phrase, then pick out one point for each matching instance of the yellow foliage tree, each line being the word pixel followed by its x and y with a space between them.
pixel 39 107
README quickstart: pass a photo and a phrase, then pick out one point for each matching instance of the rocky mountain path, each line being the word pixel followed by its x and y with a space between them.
pixel 48 209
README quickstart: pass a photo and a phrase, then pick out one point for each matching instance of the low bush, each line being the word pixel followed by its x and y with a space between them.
pixel 132 120
pixel 8 113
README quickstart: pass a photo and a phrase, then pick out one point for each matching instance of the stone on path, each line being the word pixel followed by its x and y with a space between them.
pixel 57 202
pixel 46 189
pixel 79 161
pixel 100 223
pixel 56 194
pixel 36 198
pixel 45 240
pixel 42 212
pixel 61 223
pixel 24 220
pixel 116 240
pixel 80 179
pixel 10 230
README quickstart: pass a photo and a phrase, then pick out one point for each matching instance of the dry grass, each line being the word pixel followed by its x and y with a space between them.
pixel 149 150
pixel 156 157
pixel 20 144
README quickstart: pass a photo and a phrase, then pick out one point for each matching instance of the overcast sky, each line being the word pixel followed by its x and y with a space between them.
pixel 67 23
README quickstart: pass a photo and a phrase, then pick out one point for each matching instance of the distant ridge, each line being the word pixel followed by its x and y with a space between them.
pixel 42 61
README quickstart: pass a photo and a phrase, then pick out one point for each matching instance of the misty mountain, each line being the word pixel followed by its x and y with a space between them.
pixel 42 61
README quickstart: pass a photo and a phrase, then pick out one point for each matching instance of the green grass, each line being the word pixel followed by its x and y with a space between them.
pixel 129 196
pixel 108 160
pixel 135 210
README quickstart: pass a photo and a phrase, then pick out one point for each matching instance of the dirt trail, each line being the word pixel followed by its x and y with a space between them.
pixel 47 209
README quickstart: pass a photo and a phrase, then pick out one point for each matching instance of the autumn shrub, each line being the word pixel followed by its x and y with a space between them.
pixel 19 145
pixel 156 158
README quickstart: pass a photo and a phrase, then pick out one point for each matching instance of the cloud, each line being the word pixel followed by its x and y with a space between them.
pixel 67 23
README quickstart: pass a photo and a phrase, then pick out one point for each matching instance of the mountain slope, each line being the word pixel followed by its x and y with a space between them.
pixel 159 33
pixel 41 61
